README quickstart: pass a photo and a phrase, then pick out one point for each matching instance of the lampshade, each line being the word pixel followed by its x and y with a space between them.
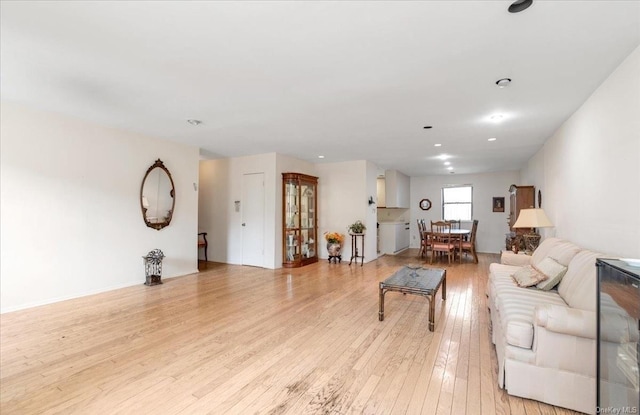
pixel 532 218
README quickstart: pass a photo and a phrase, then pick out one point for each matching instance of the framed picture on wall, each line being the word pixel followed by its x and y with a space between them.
pixel 498 204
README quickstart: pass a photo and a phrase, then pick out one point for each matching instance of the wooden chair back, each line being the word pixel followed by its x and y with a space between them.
pixel 455 224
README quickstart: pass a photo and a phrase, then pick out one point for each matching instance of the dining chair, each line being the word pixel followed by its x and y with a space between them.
pixel 442 242
pixel 202 243
pixel 455 224
pixel 425 238
pixel 470 245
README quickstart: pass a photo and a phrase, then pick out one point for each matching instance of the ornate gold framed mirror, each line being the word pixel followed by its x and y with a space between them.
pixel 157 196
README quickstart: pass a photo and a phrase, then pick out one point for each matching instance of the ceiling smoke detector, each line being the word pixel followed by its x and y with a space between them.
pixel 520 5
pixel 503 82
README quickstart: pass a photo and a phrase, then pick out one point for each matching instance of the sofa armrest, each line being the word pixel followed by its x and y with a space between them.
pixel 565 320
pixel 519 260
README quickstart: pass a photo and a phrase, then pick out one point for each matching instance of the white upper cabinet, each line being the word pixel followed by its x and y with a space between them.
pixel 382 202
pixel 396 189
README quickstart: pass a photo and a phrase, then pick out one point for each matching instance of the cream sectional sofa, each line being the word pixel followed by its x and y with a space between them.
pixel 546 340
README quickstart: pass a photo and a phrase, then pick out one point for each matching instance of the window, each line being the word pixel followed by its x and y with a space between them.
pixel 457 202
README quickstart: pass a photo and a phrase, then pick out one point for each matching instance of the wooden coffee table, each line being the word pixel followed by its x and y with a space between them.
pixel 415 280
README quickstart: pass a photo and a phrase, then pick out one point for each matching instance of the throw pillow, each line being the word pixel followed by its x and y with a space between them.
pixel 528 276
pixel 554 272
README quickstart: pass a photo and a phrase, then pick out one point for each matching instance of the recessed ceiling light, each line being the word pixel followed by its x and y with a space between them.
pixel 503 82
pixel 492 139
pixel 446 163
pixel 496 117
pixel 194 122
pixel 426 127
pixel 449 168
pixel 437 145
pixel 520 5
pixel 443 156
pixel 320 157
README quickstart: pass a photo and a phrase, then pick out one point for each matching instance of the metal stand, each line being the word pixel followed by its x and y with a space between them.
pixel 354 247
pixel 153 267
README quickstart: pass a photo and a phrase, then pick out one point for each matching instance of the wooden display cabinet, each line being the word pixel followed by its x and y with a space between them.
pixel 520 197
pixel 299 220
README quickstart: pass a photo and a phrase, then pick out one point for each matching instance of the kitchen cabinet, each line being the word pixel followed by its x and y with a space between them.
pixel 396 189
pixel 381 187
pixel 394 237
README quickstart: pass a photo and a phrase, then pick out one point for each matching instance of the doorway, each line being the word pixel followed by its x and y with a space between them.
pixel 253 219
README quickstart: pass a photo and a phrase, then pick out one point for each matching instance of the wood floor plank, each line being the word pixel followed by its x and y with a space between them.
pixel 235 339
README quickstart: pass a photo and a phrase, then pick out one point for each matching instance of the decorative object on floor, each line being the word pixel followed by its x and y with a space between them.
pixel 153 267
pixel 157 196
pixel 498 204
pixel 357 227
pixel 425 204
pixel 532 219
pixel 354 247
pixel 334 245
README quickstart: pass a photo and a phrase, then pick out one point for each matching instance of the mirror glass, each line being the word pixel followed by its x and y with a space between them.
pixel 157 196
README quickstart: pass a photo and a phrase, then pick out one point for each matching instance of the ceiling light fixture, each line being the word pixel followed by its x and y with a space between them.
pixel 492 139
pixel 446 163
pixel 194 122
pixel 496 117
pixel 503 82
pixel 437 145
pixel 443 156
pixel 320 157
pixel 449 168
pixel 520 5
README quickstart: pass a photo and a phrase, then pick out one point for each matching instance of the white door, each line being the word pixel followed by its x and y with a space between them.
pixel 253 219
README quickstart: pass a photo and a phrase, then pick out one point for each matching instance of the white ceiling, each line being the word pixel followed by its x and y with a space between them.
pixel 348 80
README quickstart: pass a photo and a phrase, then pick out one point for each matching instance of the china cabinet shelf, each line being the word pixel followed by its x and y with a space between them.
pixel 299 219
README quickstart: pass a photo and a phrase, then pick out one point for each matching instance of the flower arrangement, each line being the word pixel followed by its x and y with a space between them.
pixel 357 227
pixel 334 237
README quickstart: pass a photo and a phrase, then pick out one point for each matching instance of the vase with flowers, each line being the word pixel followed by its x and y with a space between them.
pixel 334 245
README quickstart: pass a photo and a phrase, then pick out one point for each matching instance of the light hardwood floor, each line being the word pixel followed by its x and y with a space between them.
pixel 243 340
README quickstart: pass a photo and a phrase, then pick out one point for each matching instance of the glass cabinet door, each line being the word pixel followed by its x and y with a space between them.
pixel 307 220
pixel 300 221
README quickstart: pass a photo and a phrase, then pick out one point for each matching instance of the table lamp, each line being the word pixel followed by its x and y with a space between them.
pixel 532 218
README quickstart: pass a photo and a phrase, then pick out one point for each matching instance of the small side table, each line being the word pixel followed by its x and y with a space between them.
pixel 354 248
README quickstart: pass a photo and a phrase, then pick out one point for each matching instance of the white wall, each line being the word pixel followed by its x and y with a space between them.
pixel 591 168
pixel 492 227
pixel 221 186
pixel 70 208
pixel 344 189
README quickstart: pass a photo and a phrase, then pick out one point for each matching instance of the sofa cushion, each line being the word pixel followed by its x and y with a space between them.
pixel 578 286
pixel 564 252
pixel 528 276
pixel 542 251
pixel 516 311
pixel 558 249
pixel 554 272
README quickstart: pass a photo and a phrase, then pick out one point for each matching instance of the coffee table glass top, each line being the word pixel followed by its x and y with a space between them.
pixel 422 279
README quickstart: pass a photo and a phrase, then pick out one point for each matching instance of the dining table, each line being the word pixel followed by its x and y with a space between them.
pixel 457 236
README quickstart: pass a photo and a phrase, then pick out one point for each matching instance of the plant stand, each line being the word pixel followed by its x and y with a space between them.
pixel 354 248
